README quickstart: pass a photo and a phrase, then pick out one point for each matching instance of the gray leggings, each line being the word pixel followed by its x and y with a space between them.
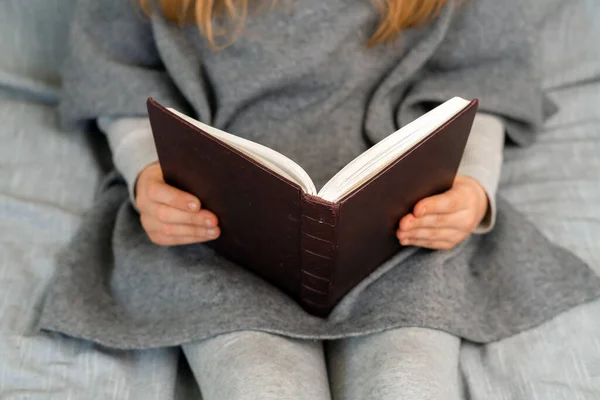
pixel 409 363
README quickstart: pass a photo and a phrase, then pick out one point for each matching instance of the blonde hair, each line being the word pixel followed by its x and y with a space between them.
pixel 395 15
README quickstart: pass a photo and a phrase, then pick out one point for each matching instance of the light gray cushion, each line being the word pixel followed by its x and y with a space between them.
pixel 33 44
pixel 556 182
pixel 570 53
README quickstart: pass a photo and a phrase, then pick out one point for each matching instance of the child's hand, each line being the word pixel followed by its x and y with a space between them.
pixel 443 221
pixel 170 216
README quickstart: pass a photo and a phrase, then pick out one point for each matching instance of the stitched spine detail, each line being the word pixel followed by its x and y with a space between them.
pixel 318 253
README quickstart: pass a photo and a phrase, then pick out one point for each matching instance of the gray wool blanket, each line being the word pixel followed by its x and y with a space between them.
pixel 300 81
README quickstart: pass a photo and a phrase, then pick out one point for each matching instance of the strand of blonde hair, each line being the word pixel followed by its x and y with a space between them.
pixel 395 16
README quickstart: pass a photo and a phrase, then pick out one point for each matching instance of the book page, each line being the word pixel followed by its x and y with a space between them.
pixel 382 154
pixel 269 158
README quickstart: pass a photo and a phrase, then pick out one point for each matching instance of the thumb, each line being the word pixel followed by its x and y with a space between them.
pixel 445 203
pixel 150 173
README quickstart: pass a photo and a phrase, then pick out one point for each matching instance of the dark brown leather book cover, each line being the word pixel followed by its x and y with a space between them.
pixel 314 250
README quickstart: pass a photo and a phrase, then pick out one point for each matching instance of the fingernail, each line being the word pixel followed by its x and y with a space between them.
pixel 423 210
pixel 211 232
pixel 193 205
pixel 209 222
pixel 409 224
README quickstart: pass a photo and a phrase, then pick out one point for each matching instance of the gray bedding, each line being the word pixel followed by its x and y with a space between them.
pixel 558 188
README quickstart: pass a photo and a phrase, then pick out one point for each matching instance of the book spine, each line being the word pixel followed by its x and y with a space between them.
pixel 318 253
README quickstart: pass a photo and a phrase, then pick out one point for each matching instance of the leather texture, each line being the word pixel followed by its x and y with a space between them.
pixel 313 250
pixel 318 253
pixel 368 218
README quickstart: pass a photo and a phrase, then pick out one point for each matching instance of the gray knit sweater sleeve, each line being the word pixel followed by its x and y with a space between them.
pixel 482 160
pixel 133 149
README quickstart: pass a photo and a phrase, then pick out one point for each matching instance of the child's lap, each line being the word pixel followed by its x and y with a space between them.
pixel 554 360
pixel 387 365
pixel 258 365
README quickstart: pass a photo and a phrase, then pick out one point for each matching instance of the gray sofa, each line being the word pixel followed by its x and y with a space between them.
pixel 48 178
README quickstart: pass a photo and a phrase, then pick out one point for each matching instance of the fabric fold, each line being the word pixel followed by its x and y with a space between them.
pixel 302 82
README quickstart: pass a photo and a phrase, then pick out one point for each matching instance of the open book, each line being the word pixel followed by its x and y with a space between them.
pixel 314 245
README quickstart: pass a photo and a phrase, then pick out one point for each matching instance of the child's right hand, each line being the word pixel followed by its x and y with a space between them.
pixel 171 216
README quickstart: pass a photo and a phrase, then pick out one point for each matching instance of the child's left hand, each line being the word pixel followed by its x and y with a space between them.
pixel 442 221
